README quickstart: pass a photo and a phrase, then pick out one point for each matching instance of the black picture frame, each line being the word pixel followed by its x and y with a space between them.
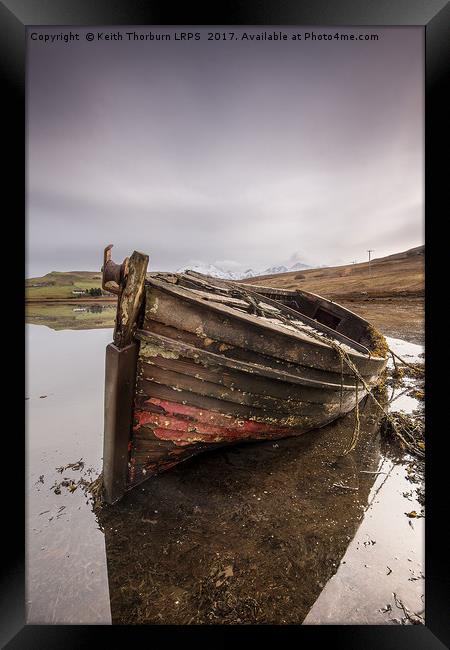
pixel 434 16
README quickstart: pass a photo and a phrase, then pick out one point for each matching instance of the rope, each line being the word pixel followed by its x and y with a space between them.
pixel 412 446
pixel 356 428
pixel 255 306
pixel 414 367
pixel 401 433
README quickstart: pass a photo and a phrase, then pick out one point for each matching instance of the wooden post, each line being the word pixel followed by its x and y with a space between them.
pixel 120 379
pixel 130 299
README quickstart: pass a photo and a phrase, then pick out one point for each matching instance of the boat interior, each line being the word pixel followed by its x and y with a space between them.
pixel 327 318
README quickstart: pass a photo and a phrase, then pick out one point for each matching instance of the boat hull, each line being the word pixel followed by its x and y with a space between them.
pixel 195 392
pixel 206 370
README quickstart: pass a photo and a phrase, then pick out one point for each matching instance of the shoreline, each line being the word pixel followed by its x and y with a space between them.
pixel 69 301
pixel 396 316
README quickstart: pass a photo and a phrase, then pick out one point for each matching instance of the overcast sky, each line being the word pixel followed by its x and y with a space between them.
pixel 237 153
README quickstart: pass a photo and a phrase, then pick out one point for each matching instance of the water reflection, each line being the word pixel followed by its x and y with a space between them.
pixel 66 578
pixel 60 316
pixel 376 566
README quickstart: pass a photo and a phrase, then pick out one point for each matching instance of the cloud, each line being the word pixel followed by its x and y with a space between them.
pixel 240 155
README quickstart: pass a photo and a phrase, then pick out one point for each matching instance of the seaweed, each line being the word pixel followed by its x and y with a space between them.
pixel 377 343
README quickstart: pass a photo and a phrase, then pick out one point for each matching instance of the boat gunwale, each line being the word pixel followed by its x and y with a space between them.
pixel 307 294
pixel 260 288
pixel 185 294
pixel 192 352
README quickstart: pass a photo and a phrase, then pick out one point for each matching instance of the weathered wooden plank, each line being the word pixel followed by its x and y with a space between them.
pixel 238 354
pixel 130 299
pixel 187 398
pixel 254 384
pixel 221 323
pixel 301 303
pixel 180 381
pixel 170 428
pixel 294 313
pixel 146 459
pixel 207 427
pixel 194 280
pixel 148 390
pixel 157 346
pixel 120 380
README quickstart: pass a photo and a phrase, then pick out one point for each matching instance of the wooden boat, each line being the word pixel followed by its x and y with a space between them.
pixel 198 363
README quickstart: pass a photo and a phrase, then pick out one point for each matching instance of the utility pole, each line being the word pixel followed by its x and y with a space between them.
pixel 370 250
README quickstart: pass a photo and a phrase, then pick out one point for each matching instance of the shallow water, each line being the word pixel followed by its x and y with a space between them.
pixel 374 556
pixel 410 352
pixel 66 562
pixel 286 530
pixel 386 557
pixel 399 399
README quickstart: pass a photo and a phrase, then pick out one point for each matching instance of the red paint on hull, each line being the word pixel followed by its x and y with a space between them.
pixel 187 424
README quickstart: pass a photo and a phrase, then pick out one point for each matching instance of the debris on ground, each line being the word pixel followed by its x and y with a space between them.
pixel 79 465
pixel 413 514
pixel 91 488
pixel 407 430
pixel 409 617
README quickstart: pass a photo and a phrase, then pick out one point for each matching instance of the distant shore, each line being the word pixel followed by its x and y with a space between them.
pixel 71 301
pixel 389 294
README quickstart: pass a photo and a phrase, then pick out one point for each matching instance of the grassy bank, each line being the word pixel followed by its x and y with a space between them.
pixel 62 285
pixel 395 276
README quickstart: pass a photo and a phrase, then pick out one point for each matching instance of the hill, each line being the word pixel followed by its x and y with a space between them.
pixel 63 285
pixel 391 297
pixel 398 275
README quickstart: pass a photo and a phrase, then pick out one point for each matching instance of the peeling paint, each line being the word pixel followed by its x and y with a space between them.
pixel 149 350
pixel 209 427
pixel 151 303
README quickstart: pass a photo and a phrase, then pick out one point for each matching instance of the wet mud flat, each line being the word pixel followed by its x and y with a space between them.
pixel 397 316
pixel 248 534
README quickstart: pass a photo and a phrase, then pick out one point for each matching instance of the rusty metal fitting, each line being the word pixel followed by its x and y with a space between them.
pixel 113 275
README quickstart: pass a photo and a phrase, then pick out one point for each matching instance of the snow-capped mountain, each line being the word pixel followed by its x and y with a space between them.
pixel 273 270
pixel 249 273
pixel 225 274
pixel 210 269
pixel 299 266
